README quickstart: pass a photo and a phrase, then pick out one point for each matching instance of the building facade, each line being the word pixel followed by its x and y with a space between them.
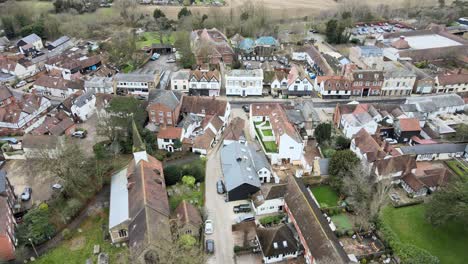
pixel 244 82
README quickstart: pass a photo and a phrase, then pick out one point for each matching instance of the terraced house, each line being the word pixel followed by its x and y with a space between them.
pixel 204 82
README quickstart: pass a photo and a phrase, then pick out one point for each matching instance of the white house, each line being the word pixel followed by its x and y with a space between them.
pixel 394 168
pixel 333 87
pixel 353 122
pixel 204 82
pixel 136 83
pixel 244 82
pixel 180 80
pixel 269 200
pixel 19 69
pixel 58 87
pixel 453 83
pixel 298 82
pixel 279 138
pixel 29 42
pixel 99 84
pixel 170 139
pixel 398 80
pixel 435 105
pixel 84 106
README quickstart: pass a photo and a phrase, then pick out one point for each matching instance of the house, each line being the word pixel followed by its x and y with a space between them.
pixel 136 83
pixel 67 67
pixel 188 219
pixel 288 143
pixel 169 138
pixel 206 106
pixel 336 87
pixel 84 106
pixel 265 46
pixel 22 112
pixel 58 42
pixel 57 123
pixel 139 207
pixel 317 62
pixel 424 181
pixel 269 200
pixel 453 83
pixel 211 46
pixel 99 84
pixel 367 82
pixel 398 80
pixel 406 128
pixel 358 119
pixel 163 108
pixel 315 236
pixel 234 132
pixel 29 43
pixel 434 105
pixel 304 116
pixel 244 170
pixel 366 147
pixel 6 96
pixel 298 82
pixel 444 151
pixel 7 220
pixel 278 243
pixel 56 86
pixel 393 168
pixel 278 81
pixel 365 56
pixel 204 82
pixel 180 81
pixel 244 82
pixel 40 146
pixel 18 68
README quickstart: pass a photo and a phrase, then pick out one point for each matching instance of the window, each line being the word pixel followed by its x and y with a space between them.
pixel 360 76
pixel 152 112
pixel 166 140
pixel 123 233
pixel 291 147
pixel 185 87
pixel 168 114
pixel 175 87
pixel 161 113
pixel 169 121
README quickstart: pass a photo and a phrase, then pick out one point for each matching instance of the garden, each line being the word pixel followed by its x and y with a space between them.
pixel 325 196
pixel 264 130
pixel 148 38
pixel 78 244
pixel 410 235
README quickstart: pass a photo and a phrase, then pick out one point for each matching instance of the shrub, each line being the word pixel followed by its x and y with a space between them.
pixel 355 41
pixel 350 232
pixel 328 152
pixel 72 208
pixel 168 154
pixel 272 219
pixel 159 157
pixel 66 233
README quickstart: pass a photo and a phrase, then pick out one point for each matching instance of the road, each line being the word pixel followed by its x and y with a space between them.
pixel 320 103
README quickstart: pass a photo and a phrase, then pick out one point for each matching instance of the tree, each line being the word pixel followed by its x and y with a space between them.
pixel 342 142
pixel 158 13
pixel 335 32
pixel 448 204
pixel 184 12
pixel 188 180
pixel 182 43
pixel 8 24
pixel 35 226
pixel 462 132
pixel 341 163
pixel 322 132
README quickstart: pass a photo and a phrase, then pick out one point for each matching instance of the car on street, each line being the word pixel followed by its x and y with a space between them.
pixel 246 108
pixel 22 83
pixel 245 218
pixel 242 208
pixel 155 56
pixel 79 134
pixel 26 195
pixel 220 187
pixel 209 246
pixel 209 227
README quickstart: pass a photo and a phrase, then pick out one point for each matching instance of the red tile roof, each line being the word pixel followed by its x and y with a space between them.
pixel 452 79
pixel 409 124
pixel 170 133
pixel 186 213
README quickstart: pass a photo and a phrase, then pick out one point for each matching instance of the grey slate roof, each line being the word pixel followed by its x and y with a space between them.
pixel 434 148
pixel 169 98
pixel 189 119
pixel 240 164
pixel 295 116
pixel 409 108
pixel 60 41
pixel 135 77
pixel 438 101
pixel 3 181
pixel 30 38
pixel 324 163
pixel 84 98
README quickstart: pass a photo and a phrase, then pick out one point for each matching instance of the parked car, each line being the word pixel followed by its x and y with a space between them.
pixel 22 83
pixel 155 56
pixel 209 246
pixel 79 134
pixel 171 60
pixel 57 186
pixel 26 195
pixel 242 208
pixel 209 227
pixel 246 108
pixel 245 218
pixel 220 187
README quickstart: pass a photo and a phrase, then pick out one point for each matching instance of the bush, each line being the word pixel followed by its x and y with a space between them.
pixel 66 234
pixel 272 219
pixel 328 152
pixel 174 174
pixel 72 208
pixel 355 41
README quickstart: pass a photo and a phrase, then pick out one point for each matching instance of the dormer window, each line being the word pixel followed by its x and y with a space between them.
pixel 275 245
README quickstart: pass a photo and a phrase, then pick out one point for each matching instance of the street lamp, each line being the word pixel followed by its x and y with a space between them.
pixel 34 248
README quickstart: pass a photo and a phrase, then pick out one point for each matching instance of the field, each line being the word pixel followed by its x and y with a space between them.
pixel 448 243
pixel 80 246
pixel 325 196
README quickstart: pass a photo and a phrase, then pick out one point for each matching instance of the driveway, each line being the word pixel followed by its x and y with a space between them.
pixel 91 138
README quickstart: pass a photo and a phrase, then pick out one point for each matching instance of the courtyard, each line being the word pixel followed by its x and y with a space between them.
pixel 266 136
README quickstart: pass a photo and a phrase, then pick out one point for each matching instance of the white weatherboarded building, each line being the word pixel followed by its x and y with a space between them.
pixel 244 82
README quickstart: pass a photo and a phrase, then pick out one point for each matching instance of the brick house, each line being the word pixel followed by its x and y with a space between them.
pixel 367 82
pixel 163 108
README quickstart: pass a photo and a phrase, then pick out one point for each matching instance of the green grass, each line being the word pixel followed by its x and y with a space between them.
pixel 93 234
pixel 267 132
pixel 326 196
pixel 270 146
pixel 342 222
pixel 448 243
pixel 153 38
pixel 188 195
pixel 458 168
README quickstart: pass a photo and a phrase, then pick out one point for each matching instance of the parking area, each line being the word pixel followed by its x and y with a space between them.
pixel 91 138
pixel 21 174
pixel 377 29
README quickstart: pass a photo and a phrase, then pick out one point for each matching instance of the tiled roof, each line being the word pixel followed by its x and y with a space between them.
pixel 170 133
pixel 408 124
pixel 204 141
pixel 5 93
pixel 235 129
pixel 297 72
pixel 453 79
pixel 203 105
pixel 186 213
pixel 334 82
pixel 368 146
pixel 404 163
pixel 277 240
pixel 169 98
pixel 207 75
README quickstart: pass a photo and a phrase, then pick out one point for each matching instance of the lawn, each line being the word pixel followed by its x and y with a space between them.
pixel 326 196
pixel 149 38
pixel 448 243
pixel 182 192
pixel 270 146
pixel 267 132
pixel 342 222
pixel 458 168
pixel 80 246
